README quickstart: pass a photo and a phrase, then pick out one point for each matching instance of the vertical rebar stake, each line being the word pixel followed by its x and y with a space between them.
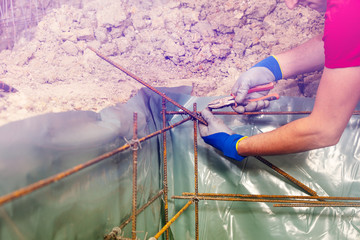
pixel 165 167
pixel 196 177
pixel 134 195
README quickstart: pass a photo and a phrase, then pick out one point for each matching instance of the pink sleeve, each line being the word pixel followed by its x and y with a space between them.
pixel 342 33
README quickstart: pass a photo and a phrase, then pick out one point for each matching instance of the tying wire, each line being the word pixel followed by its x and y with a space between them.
pixel 134 144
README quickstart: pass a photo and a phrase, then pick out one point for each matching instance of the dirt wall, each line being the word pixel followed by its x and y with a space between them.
pixel 202 43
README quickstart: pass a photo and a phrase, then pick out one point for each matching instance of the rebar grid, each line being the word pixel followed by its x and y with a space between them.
pixel 282 200
pixel 44 182
pixel 196 116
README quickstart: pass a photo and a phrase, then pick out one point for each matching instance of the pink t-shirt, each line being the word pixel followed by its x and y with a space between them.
pixel 342 33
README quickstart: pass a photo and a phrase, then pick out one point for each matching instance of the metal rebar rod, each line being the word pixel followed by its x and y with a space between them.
pixel 343 204
pixel 315 205
pixel 256 113
pixel 6 28
pixel 194 115
pixel 271 196
pixel 139 210
pixel 44 182
pixel 247 113
pixel 196 177
pixel 36 11
pixel 165 181
pixel 287 176
pixel 134 193
pixel 172 220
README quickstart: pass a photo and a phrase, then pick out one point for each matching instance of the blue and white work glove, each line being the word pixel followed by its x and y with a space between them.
pixel 218 135
pixel 264 72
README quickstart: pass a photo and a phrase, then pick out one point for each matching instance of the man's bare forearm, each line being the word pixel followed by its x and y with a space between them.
pixel 335 102
pixel 297 136
pixel 307 57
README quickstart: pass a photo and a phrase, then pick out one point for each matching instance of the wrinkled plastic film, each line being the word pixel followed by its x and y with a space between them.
pixel 330 171
pixel 88 204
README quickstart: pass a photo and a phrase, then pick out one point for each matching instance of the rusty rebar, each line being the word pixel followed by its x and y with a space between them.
pixel 44 182
pixel 14 227
pixel 196 177
pixel 327 204
pixel 255 113
pixel 165 181
pixel 134 193
pixel 141 209
pixel 271 196
pixel 287 176
pixel 172 220
pixel 315 205
pixel 138 211
pixel 194 115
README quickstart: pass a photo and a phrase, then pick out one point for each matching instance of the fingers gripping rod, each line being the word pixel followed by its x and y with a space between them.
pixel 192 114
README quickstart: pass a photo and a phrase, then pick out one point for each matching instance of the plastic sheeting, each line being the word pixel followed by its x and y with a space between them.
pixel 90 203
pixel 332 171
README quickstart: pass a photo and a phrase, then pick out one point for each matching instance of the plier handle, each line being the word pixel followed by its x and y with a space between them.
pixel 227 101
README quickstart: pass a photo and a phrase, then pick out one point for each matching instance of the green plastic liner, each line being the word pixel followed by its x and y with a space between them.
pixel 89 203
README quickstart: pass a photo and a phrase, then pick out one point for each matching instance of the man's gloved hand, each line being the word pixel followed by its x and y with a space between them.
pixel 266 71
pixel 218 135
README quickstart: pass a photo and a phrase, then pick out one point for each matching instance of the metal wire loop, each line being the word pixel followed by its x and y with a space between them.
pixel 132 144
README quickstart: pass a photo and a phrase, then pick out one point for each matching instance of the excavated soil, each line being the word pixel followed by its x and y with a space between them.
pixel 204 44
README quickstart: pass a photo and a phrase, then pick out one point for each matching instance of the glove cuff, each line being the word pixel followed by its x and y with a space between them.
pixel 273 65
pixel 225 143
pixel 237 143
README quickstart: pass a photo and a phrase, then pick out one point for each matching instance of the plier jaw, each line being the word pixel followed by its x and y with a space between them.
pixel 230 100
pixel 222 102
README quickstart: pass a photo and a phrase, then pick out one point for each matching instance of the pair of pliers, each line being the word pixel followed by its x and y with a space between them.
pixel 227 101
